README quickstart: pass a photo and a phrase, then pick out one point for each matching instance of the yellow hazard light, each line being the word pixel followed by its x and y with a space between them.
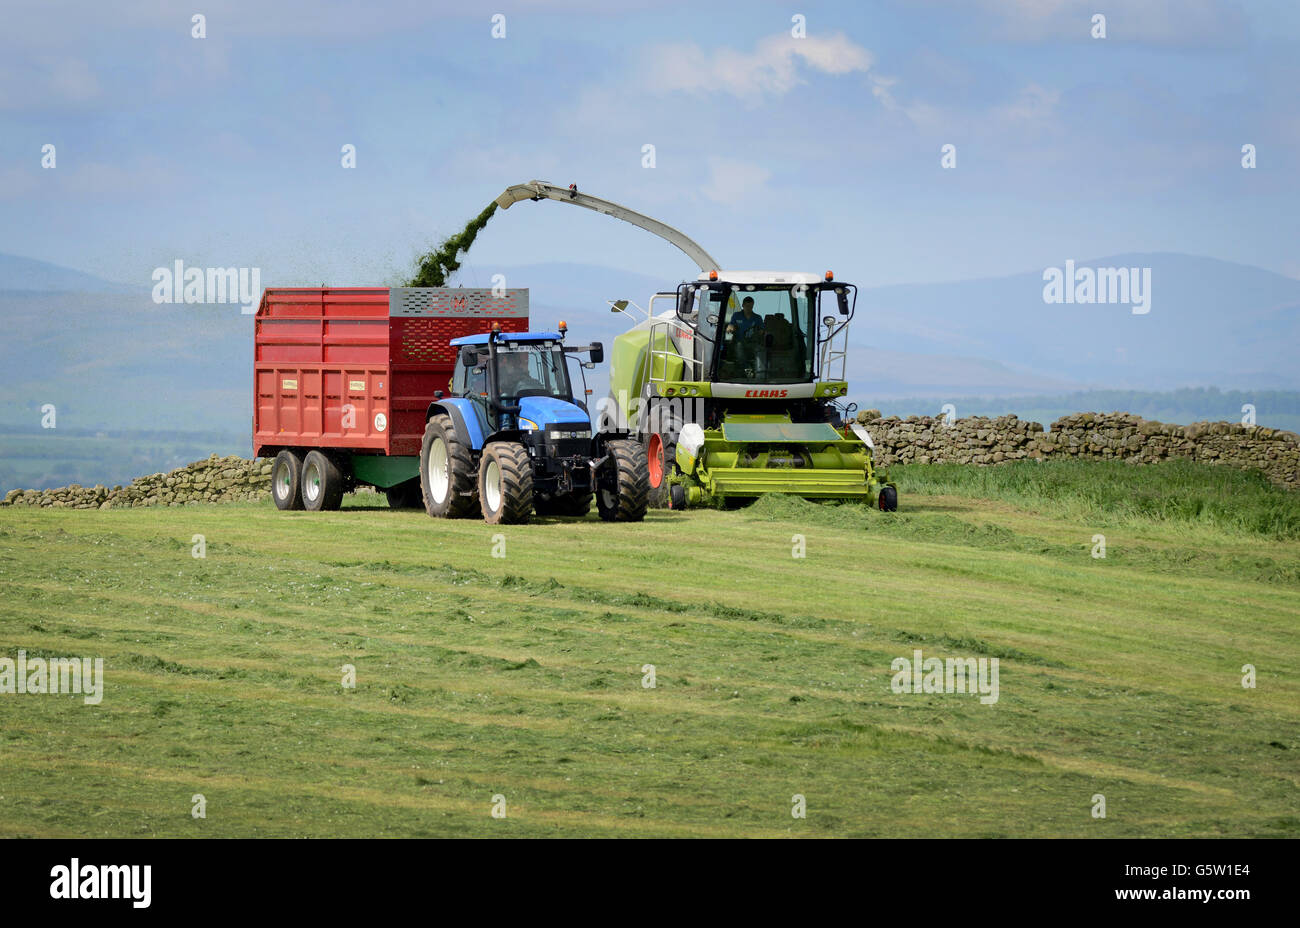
pixel 830 275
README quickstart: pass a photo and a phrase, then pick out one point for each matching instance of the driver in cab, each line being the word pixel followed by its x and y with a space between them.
pixel 746 322
pixel 513 377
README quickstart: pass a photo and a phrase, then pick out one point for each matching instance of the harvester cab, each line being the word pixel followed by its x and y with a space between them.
pixel 512 439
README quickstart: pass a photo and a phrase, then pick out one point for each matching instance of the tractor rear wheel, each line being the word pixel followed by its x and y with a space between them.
pixel 448 482
pixel 322 483
pixel 286 480
pixel 505 483
pixel 623 495
pixel 405 495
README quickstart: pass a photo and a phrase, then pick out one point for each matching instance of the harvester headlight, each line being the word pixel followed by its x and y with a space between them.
pixel 695 391
pixel 669 391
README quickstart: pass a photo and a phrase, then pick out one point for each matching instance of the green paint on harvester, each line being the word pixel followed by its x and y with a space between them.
pixel 435 267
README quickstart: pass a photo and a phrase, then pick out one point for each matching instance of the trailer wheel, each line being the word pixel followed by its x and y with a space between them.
pixel 405 495
pixel 623 495
pixel 322 483
pixel 505 483
pixel 888 499
pixel 447 479
pixel 286 477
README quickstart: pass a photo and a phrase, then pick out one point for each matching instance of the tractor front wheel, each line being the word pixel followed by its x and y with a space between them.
pixel 505 483
pixel 888 499
pixel 623 496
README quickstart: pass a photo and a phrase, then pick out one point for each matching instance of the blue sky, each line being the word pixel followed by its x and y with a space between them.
pixel 771 151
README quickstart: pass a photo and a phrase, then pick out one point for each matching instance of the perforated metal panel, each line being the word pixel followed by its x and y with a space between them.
pixel 472 302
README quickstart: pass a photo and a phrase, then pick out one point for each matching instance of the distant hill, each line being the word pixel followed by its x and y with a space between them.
pixel 29 274
pixel 1210 321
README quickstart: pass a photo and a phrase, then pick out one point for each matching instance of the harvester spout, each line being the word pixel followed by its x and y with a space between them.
pixel 541 190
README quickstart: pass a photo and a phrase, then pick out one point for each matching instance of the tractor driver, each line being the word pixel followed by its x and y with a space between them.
pixel 513 377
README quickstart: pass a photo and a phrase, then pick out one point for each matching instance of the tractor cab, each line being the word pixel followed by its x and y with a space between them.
pixel 520 381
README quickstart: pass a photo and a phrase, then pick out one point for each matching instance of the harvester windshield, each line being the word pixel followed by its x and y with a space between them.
pixel 767 335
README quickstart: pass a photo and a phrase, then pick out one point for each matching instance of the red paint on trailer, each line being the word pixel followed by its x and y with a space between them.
pixel 332 368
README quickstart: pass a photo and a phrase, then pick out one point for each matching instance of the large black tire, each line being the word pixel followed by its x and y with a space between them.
pixel 322 483
pixel 405 495
pixel 572 505
pixel 450 489
pixel 505 483
pixel 888 499
pixel 623 495
pixel 286 480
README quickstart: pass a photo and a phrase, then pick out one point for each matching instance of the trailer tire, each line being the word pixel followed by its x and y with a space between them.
pixel 286 480
pixel 322 483
pixel 448 482
pixel 624 495
pixel 405 495
pixel 505 483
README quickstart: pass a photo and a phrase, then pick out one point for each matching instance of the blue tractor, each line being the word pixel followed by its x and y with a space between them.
pixel 512 440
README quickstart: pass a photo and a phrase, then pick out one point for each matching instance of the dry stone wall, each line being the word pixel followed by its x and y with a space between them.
pixel 214 480
pixel 1115 436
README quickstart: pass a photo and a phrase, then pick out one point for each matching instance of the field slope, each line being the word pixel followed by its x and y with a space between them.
pixel 522 676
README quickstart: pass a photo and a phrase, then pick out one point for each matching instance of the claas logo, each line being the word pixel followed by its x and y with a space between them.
pixel 770 394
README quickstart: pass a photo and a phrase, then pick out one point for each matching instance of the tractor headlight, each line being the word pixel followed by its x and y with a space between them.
pixel 528 424
pixel 560 435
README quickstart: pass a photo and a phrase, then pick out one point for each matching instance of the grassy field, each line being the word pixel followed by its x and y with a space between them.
pixel 521 675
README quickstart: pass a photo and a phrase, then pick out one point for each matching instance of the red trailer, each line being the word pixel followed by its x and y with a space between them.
pixel 343 377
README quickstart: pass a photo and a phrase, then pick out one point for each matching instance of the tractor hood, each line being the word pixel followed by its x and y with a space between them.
pixel 547 411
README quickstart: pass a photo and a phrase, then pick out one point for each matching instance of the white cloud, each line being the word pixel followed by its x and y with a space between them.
pixel 775 67
pixel 732 181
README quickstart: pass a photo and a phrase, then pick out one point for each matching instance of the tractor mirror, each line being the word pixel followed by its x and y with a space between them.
pixel 597 352
pixel 468 356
